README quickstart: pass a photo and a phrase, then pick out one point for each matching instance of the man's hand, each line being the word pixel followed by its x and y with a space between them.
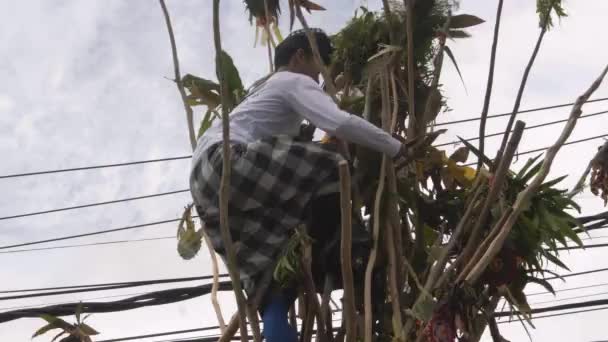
pixel 414 148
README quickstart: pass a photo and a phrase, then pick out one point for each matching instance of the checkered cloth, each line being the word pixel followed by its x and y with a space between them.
pixel 272 183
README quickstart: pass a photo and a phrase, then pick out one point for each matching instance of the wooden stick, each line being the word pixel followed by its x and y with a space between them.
pixel 189 119
pixel 367 296
pixel 488 96
pixel 178 77
pixel 523 83
pixel 216 283
pixel 524 197
pixel 315 51
pixel 309 285
pixel 346 255
pixel 495 189
pixel 391 205
pixel 225 182
pixel 267 28
pixel 412 129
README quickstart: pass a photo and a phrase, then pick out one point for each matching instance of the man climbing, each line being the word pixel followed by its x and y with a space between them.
pixel 277 179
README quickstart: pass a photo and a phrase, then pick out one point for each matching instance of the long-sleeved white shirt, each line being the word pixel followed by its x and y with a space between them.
pixel 279 106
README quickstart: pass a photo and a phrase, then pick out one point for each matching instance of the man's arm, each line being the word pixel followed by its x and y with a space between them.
pixel 308 99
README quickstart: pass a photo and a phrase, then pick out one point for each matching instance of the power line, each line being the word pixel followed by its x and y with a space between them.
pixel 90 234
pixel 546 148
pixel 94 204
pixel 577 274
pixel 86 245
pixel 520 112
pixel 100 287
pixel 526 128
pixel 167 333
pixel 599 245
pixel 560 307
pixel 570 298
pixel 560 314
pixel 189 156
pixel 93 167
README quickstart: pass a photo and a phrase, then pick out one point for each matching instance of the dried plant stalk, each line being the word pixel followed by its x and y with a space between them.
pixel 488 96
pixel 178 77
pixel 216 283
pixel 225 186
pixel 495 189
pixel 412 125
pixel 524 197
pixel 346 255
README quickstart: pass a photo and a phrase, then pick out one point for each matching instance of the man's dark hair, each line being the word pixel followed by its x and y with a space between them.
pixel 298 40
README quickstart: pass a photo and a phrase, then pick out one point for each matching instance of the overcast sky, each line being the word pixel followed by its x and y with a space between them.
pixel 84 83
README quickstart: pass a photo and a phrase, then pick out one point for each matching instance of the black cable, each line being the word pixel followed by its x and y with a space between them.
pixel 569 298
pixel 546 148
pixel 568 289
pixel 560 307
pixel 520 112
pixel 90 234
pixel 188 157
pixel 93 167
pixel 92 288
pixel 135 283
pixel 560 314
pixel 526 128
pixel 167 333
pixel 578 273
pixel 599 245
pixel 93 204
pixel 86 245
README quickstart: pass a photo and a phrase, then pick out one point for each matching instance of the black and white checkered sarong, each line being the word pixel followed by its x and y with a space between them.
pixel 272 183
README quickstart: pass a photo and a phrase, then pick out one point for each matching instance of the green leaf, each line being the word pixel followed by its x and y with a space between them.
pixel 78 312
pixel 543 283
pixel 458 34
pixel 465 20
pixel 533 171
pixel 476 152
pixel 58 322
pixel 85 328
pixel 45 329
pixel 231 76
pixel 424 307
pixel 551 183
pixel 206 123
pixel 448 52
pixel 555 260
pixel 528 164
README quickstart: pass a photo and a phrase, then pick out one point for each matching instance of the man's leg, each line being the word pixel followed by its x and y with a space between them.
pixel 275 318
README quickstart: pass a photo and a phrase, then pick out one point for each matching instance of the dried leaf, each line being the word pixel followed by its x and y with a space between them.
pixel 385 49
pixel 85 328
pixel 460 155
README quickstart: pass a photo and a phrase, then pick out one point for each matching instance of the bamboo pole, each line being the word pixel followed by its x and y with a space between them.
pixel 225 183
pixel 346 255
pixel 524 197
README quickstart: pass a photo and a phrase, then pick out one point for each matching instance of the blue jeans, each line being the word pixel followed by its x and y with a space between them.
pixel 276 324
